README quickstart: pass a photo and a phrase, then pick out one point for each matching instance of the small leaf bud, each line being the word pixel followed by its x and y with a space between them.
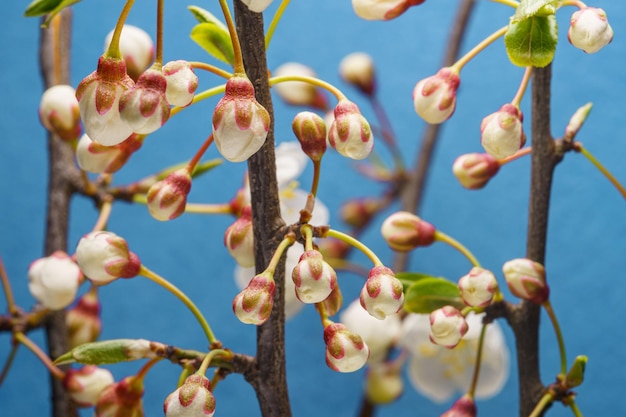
pixel 404 231
pixel 576 121
pixel 576 373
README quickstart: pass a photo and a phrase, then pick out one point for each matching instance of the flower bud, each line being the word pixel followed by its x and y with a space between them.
pixel 240 123
pixel 54 280
pixel 182 83
pixel 99 159
pixel 121 399
pixel 359 212
pixel 358 69
pixel 502 133
pixel 333 303
pixel 350 134
pixel 404 231
pixel 192 399
pixel 167 198
pixel 84 385
pixel 463 407
pixel 98 97
pixel 254 303
pixel 447 326
pixel 257 6
pixel 314 278
pixel 382 9
pixel 59 112
pixel 383 384
pixel 239 239
pixel 83 320
pixel 299 93
pixel 333 248
pixel 589 29
pixel 345 350
pixel 136 47
pixel 310 129
pixel 103 257
pixel 144 106
pixel 434 97
pixel 526 279
pixel 474 170
pixel 382 293
pixel 478 287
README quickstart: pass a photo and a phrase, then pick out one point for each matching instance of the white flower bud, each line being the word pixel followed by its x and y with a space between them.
pixel 94 157
pixel 167 198
pixel 253 305
pixel 350 133
pixel 239 239
pixel 383 383
pixel 85 384
pixel 298 93
pixel 434 97
pixel 382 294
pixel 345 350
pixel 382 9
pixel 192 399
pixel 59 112
pixel 404 231
pixel 589 30
pixel 314 278
pixel 144 106
pixel 478 287
pixel 474 170
pixel 358 69
pixel 137 49
pixel 182 83
pixel 447 326
pixel 54 280
pixel 526 279
pixel 502 133
pixel 103 257
pixel 123 398
pixel 257 6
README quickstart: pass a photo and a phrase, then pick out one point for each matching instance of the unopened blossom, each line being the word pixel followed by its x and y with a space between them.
pixel 434 97
pixel 526 279
pixel 85 385
pixel 334 301
pixel 299 93
pixel 54 280
pixel 382 9
pixel 257 6
pixel 104 256
pixel 239 238
pixel 59 111
pixel 377 334
pixel 345 350
pixel 83 320
pixel 478 287
pixel 98 97
pixel 144 106
pixel 350 133
pixel 359 211
pixel 463 407
pixel 357 69
pixel 240 123
pixel 136 47
pixel 167 198
pixel 99 159
pixel 182 82
pixel 589 29
pixel 310 130
pixel 440 373
pixel 192 399
pixel 121 399
pixel 447 326
pixel 474 170
pixel 404 231
pixel 253 305
pixel 313 277
pixel 502 133
pixel 382 295
pixel 383 383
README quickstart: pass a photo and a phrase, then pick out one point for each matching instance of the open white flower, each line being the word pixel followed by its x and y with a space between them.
pixel 440 373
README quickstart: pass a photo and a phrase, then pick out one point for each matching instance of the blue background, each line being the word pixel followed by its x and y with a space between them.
pixel 585 260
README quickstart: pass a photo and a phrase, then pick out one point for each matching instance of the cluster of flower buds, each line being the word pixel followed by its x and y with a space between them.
pixel 502 133
pixel 103 257
pixel 299 93
pixel 434 97
pixel 474 170
pixel 193 398
pixel 59 112
pixel 358 69
pixel 382 295
pixel 313 277
pixel 350 134
pixel 83 320
pixel 85 385
pixel 382 9
pixel 345 351
pixel 99 159
pixel 526 279
pixel 447 326
pixel 310 130
pixel 253 305
pixel 478 287
pixel 589 29
pixel 167 198
pixel 404 231
pixel 54 280
pixel 123 398
pixel 239 238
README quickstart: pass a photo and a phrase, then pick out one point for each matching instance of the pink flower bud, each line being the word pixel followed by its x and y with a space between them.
pixel 447 326
pixel 121 399
pixel 333 303
pixel 240 123
pixel 144 106
pixel 192 399
pixel 137 49
pixel 310 129
pixel 502 133
pixel 345 350
pixel 257 6
pixel 314 278
pixel 99 159
pixel 103 257
pixel 463 407
pixel 382 9
pixel 526 279
pixel 589 30
pixel 382 294
pixel 477 287
pixel 239 239
pixel 358 212
pixel 358 69
pixel 167 198
pixel 85 385
pixel 350 134
pixel 83 320
pixel 474 170
pixel 98 97
pixel 182 82
pixel 299 93
pixel 59 112
pixel 254 303
pixel 404 231
pixel 383 383
pixel 434 97
pixel 54 280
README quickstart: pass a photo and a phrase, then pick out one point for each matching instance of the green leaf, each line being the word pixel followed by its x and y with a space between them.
pixel 110 351
pixel 215 40
pixel 530 8
pixel 50 7
pixel 532 42
pixel 430 293
pixel 204 16
pixel 408 278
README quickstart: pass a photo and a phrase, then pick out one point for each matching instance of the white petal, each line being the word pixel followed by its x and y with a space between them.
pixel 290 162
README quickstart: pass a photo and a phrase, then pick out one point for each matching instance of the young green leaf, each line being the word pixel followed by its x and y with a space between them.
pixel 530 8
pixel 428 294
pixel 214 39
pixel 532 42
pixel 110 351
pixel 49 7
pixel 409 278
